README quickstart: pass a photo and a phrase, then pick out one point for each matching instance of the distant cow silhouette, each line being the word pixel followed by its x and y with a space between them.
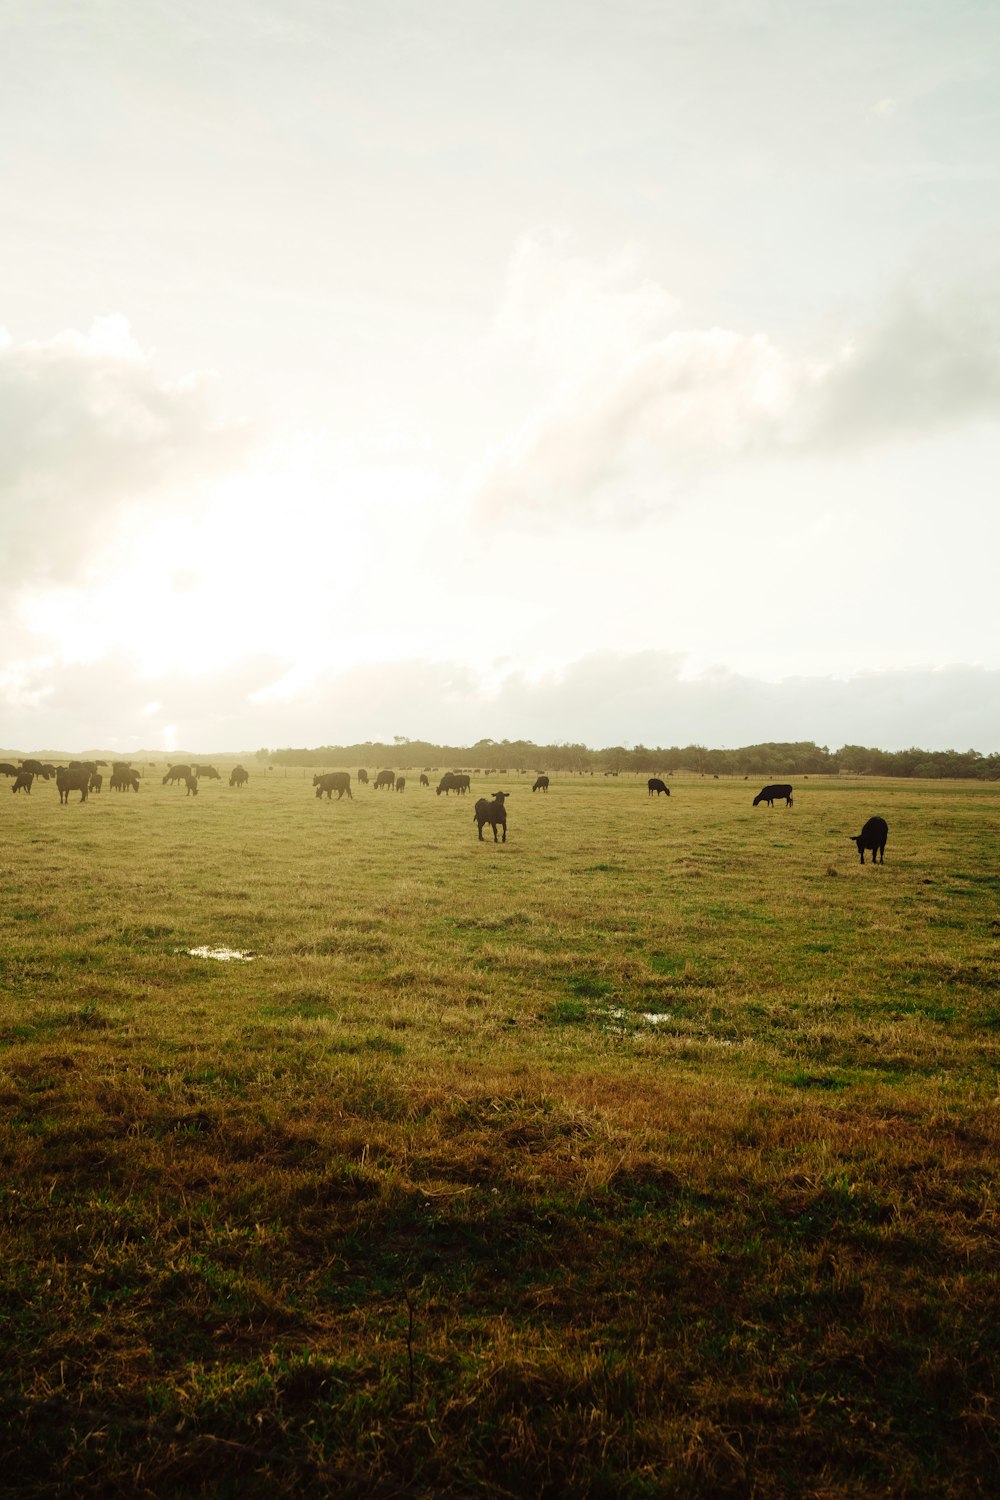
pixel 656 785
pixel 873 837
pixel 772 794
pixel 541 784
pixel 238 776
pixel 424 780
pixel 208 773
pixel 385 779
pixel 333 781
pixel 362 777
pixel 493 813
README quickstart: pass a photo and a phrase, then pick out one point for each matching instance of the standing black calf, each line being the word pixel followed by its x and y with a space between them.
pixel 493 813
pixel 873 837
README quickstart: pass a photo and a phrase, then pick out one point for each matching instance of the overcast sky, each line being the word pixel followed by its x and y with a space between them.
pixel 458 369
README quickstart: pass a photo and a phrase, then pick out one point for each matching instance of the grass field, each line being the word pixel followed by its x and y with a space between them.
pixel 651 1153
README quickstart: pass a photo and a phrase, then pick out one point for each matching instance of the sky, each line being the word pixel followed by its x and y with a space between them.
pixel 458 369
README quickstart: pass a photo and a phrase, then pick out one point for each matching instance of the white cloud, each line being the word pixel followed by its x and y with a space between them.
pixel 603 698
pixel 637 410
pixel 88 430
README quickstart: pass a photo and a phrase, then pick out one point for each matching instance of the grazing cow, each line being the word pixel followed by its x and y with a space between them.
pixel 493 813
pixel 96 781
pixel 873 837
pixel 656 785
pixel 22 782
pixel 6 769
pixel 238 776
pixel 424 781
pixel 385 779
pixel 35 768
pixel 119 779
pixel 541 785
pixel 400 783
pixel 191 782
pixel 771 794
pixel 177 773
pixel 454 781
pixel 208 773
pixel 131 780
pixel 72 779
pixel 362 777
pixel 333 781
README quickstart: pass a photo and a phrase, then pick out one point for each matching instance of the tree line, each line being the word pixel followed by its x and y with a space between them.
pixel 796 758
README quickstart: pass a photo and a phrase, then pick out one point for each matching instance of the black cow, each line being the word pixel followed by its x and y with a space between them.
pixel 362 777
pixel 35 768
pixel 191 782
pixel 177 773
pixel 424 780
pixel 454 781
pixel 656 785
pixel 238 776
pixel 208 773
pixel 541 785
pixel 400 783
pixel 334 781
pixel 96 781
pixel 132 780
pixel 771 794
pixel 73 779
pixel 6 769
pixel 493 813
pixel 873 837
pixel 385 779
pixel 22 782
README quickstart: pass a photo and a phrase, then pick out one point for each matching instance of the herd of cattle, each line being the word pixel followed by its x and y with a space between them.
pixel 86 776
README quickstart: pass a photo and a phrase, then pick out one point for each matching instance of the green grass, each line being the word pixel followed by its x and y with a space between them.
pixel 422 1199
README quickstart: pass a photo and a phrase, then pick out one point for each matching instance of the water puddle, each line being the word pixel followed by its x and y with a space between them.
pixel 224 955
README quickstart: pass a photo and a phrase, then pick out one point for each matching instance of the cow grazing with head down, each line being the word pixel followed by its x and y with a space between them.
pixel 238 776
pixel 424 780
pixel 656 785
pixel 385 781
pixel 454 781
pixel 22 782
pixel 177 773
pixel 774 793
pixel 541 784
pixel 362 777
pixel 207 773
pixel 873 837
pixel 191 782
pixel 493 813
pixel 333 781
pixel 400 783
pixel 6 769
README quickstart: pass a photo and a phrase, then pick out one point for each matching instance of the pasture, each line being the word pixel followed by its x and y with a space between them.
pixel 651 1153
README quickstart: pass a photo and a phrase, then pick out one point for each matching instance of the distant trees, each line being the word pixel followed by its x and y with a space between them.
pixel 770 759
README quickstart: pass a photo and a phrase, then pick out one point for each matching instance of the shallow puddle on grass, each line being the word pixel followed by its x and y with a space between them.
pixel 224 955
